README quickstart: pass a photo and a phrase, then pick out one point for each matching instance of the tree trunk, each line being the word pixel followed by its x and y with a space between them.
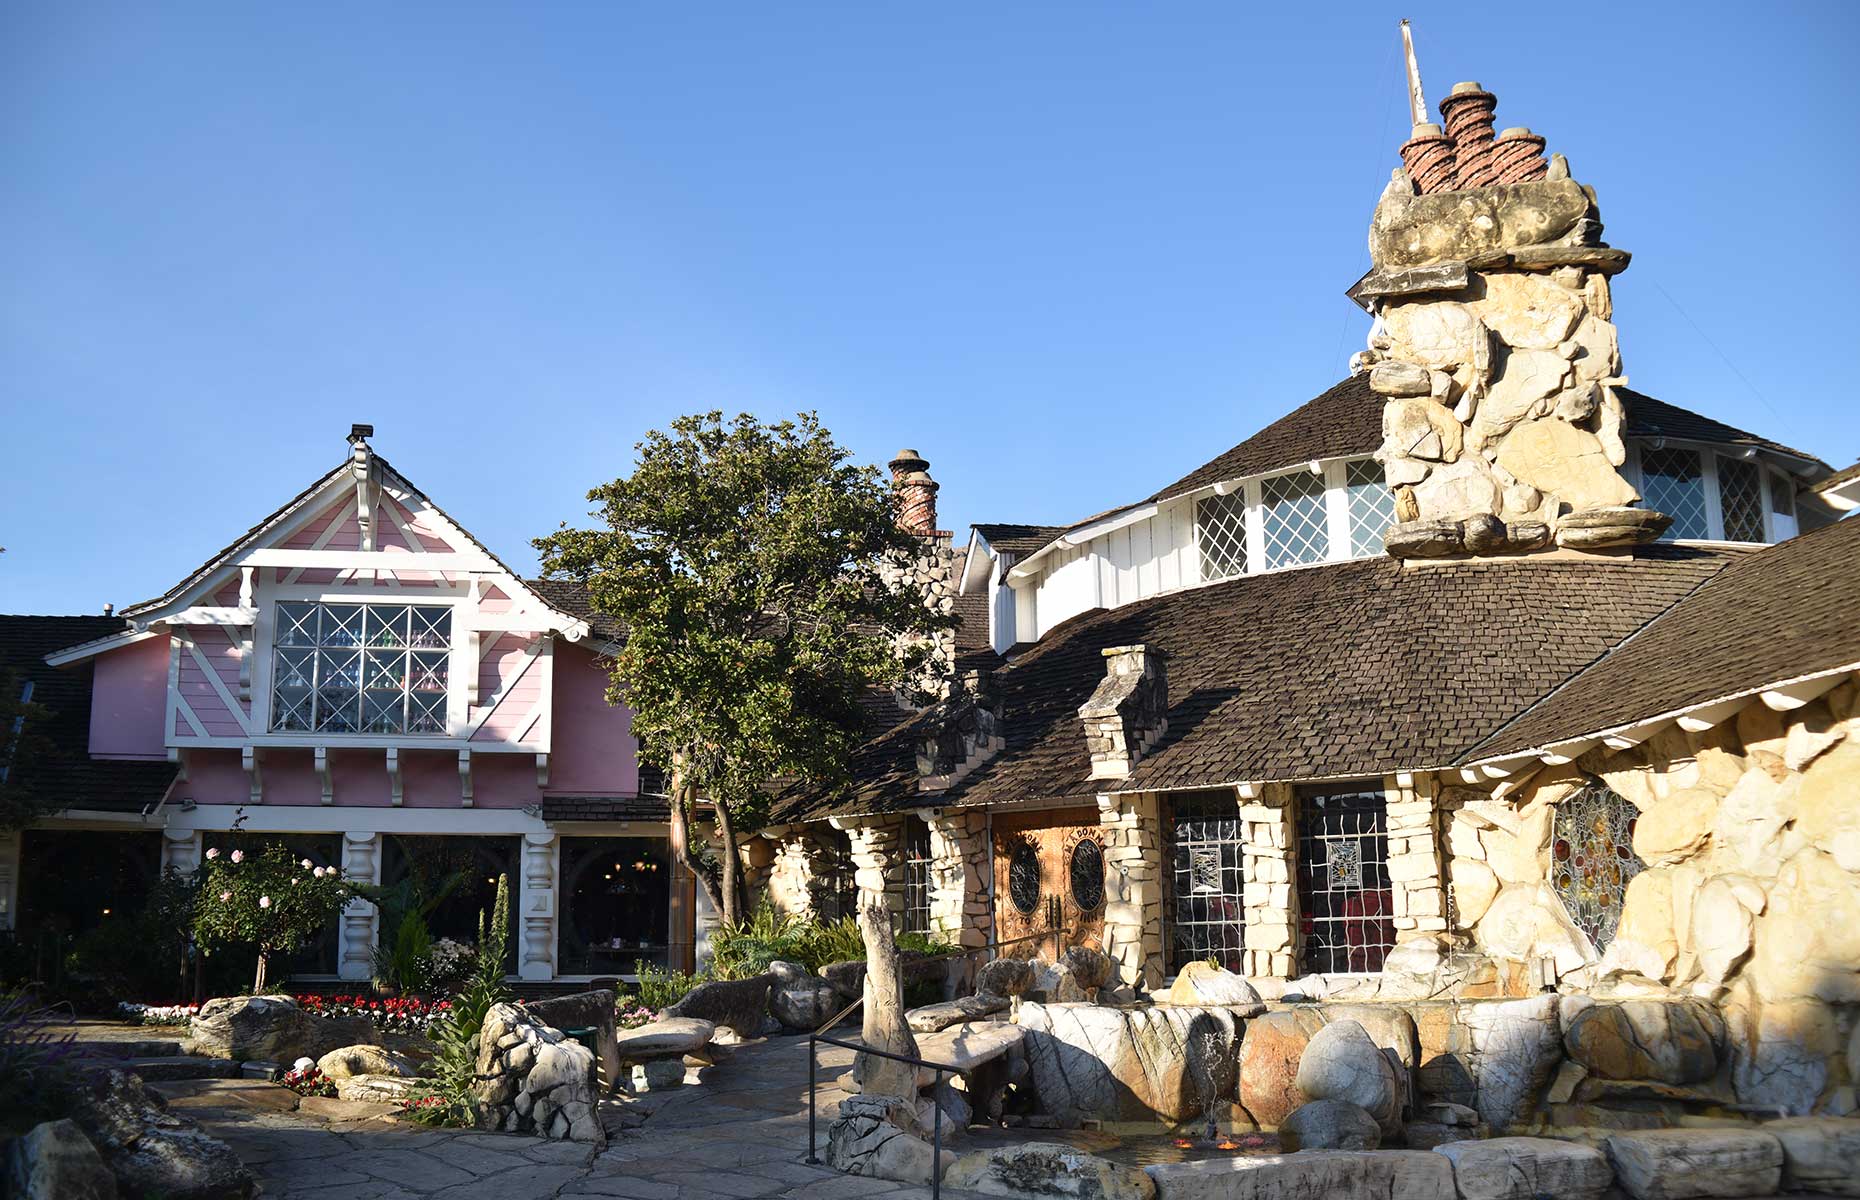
pixel 679 791
pixel 886 1027
pixel 732 866
pixel 258 981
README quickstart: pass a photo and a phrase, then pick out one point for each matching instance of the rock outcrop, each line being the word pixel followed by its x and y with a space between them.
pixel 533 1078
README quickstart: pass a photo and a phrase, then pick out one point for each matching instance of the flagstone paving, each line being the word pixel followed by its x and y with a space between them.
pixel 740 1135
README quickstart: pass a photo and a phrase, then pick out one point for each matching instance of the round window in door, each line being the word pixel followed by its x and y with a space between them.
pixel 1024 877
pixel 1085 872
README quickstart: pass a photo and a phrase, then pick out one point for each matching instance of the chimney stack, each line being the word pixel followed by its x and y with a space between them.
pixel 1129 712
pixel 916 493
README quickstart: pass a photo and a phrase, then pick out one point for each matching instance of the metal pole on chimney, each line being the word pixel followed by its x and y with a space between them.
pixel 1417 103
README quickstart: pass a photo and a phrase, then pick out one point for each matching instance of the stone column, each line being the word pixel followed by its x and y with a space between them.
pixel 878 860
pixel 537 904
pixel 960 910
pixel 1268 844
pixel 1420 899
pixel 180 850
pixel 361 862
pixel 9 879
pixel 1133 910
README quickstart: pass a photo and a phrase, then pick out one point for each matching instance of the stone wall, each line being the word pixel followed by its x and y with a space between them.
pixel 1749 897
pixel 1133 886
pixel 937 573
pixel 795 868
pixel 1268 840
pixel 961 900
pixel 1420 901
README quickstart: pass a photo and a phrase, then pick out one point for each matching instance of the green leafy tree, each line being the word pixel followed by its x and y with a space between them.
pixel 753 567
pixel 265 897
pixel 22 747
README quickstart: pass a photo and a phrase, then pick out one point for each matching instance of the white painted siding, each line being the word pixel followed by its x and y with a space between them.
pixel 1156 554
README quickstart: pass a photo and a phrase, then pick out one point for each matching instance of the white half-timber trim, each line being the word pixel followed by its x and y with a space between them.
pixel 1787 697
pixel 321 754
pixel 219 686
pixel 465 796
pixel 435 561
pixel 209 614
pixel 254 773
pixel 396 787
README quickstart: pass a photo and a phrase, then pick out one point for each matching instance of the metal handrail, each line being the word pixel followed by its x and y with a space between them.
pixel 817 1036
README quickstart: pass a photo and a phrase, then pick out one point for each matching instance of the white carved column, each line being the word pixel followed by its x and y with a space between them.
pixel 537 904
pixel 9 879
pixel 878 859
pixel 959 902
pixel 361 862
pixel 180 850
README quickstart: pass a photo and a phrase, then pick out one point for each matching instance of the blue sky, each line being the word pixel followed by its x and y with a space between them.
pixel 1068 251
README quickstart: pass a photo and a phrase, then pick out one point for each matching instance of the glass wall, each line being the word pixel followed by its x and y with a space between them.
pixel 614 908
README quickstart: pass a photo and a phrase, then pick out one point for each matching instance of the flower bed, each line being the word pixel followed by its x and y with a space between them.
pixel 405 1014
pixel 157 1014
pixel 308 1081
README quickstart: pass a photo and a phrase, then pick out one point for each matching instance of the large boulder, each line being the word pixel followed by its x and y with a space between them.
pixel 738 1005
pixel 1004 977
pixel 1342 1063
pixel 586 1010
pixel 1274 1042
pixel 1524 1168
pixel 379 1089
pixel 1310 1175
pixel 1678 1164
pixel 1047 1169
pixel 347 1061
pixel 877 1136
pixel 1667 1041
pixel 1509 1049
pixel 1204 983
pixel 1820 1154
pixel 55 1161
pixel 1330 1125
pixel 932 1017
pixel 533 1078
pixel 151 1151
pixel 1089 1061
pixel 802 1000
pixel 271 1028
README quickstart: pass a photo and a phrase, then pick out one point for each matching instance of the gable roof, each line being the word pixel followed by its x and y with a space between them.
pixel 68 777
pixel 1779 614
pixel 1016 539
pixel 1341 671
pixel 1342 421
pixel 298 506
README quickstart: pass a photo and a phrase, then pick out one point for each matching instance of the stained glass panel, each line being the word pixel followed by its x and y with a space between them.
pixel 1592 859
pixel 1024 878
pixel 1087 875
pixel 1346 900
pixel 1206 916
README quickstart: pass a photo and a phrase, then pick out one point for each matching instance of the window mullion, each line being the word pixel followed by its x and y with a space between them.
pixel 1714 501
pixel 1255 530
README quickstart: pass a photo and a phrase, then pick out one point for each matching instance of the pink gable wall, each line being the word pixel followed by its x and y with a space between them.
pixel 593 748
pixel 129 694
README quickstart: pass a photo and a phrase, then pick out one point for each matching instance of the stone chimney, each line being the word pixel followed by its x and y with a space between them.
pixel 960 733
pixel 916 491
pixel 1493 345
pixel 1128 712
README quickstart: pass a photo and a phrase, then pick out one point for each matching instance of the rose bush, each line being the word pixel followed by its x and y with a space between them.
pixel 268 898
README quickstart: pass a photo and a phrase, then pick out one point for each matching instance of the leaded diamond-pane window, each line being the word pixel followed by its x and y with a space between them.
pixel 1220 532
pixel 1346 902
pixel 1297 525
pixel 1593 859
pixel 360 668
pixel 1782 495
pixel 1372 507
pixel 1207 918
pixel 916 877
pixel 1740 496
pixel 1672 483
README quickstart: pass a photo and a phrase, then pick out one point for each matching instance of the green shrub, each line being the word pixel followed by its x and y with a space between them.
pixel 659 989
pixel 448 1098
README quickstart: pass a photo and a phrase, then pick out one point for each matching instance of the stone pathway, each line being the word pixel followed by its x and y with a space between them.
pixel 741 1135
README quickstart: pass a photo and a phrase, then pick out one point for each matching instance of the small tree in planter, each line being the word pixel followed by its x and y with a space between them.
pixel 265 897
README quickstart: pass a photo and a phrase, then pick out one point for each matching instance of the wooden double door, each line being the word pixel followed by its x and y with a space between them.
pixel 1049 881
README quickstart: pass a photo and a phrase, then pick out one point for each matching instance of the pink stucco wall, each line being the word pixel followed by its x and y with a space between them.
pixel 129 694
pixel 594 751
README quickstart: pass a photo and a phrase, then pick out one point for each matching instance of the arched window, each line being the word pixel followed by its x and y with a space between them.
pixel 1592 859
pixel 916 876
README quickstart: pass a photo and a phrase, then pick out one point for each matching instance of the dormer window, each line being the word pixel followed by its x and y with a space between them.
pixel 1740 492
pixel 1673 483
pixel 1297 522
pixel 1220 533
pixel 1371 504
pixel 360 668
